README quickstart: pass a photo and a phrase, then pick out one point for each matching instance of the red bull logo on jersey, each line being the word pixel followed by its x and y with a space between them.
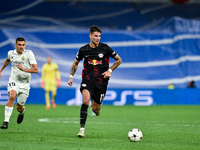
pixel 95 62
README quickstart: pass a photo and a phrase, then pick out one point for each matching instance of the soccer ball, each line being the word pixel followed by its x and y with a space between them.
pixel 135 135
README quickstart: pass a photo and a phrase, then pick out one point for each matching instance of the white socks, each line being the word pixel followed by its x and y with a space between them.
pixel 8 113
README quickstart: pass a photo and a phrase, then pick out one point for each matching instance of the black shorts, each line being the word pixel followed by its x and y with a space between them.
pixel 97 92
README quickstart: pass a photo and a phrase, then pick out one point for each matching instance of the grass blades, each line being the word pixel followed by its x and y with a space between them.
pixel 163 128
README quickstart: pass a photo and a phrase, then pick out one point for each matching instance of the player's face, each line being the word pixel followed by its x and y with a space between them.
pixel 95 38
pixel 20 46
pixel 48 60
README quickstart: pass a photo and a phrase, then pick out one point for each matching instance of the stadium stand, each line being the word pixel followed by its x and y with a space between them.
pixel 159 43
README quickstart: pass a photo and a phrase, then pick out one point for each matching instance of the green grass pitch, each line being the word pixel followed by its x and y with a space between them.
pixel 163 127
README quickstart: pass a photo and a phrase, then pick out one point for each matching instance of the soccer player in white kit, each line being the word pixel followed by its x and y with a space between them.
pixel 23 64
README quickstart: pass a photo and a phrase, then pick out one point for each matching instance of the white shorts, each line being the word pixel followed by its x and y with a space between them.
pixel 22 94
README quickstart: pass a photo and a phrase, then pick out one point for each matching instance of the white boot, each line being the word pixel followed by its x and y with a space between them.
pixel 81 134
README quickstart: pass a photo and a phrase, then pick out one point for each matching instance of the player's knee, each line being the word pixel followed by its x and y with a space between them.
pixel 47 91
pixel 86 102
pixel 11 99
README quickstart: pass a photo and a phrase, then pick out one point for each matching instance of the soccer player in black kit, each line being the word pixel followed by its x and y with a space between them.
pixel 95 74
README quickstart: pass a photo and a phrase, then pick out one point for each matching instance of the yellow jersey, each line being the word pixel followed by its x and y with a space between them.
pixel 50 72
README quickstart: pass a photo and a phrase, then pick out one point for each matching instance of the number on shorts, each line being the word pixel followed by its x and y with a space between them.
pixel 101 97
pixel 12 84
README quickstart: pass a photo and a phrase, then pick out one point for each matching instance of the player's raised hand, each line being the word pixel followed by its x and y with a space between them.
pixel 70 81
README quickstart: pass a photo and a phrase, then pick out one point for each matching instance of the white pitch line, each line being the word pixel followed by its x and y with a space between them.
pixel 75 120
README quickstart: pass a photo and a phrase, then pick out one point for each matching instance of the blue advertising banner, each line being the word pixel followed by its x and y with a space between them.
pixel 117 97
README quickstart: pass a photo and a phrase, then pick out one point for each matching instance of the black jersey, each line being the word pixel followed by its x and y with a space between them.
pixel 96 62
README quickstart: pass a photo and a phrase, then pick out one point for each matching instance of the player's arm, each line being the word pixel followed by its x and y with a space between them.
pixel 117 62
pixel 34 68
pixel 72 72
pixel 58 77
pixel 6 63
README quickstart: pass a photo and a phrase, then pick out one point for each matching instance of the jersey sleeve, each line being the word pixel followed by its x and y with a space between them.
pixel 79 55
pixel 111 52
pixel 57 72
pixel 32 59
pixel 9 55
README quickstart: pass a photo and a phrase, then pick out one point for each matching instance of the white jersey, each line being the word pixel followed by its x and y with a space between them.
pixel 26 59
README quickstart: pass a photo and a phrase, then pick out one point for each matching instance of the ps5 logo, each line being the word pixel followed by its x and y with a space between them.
pixel 120 97
pixel 141 98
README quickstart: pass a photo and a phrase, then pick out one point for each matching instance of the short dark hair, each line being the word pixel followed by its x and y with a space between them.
pixel 94 28
pixel 19 39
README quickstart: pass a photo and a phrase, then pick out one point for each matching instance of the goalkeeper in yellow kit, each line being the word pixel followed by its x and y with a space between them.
pixel 50 81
